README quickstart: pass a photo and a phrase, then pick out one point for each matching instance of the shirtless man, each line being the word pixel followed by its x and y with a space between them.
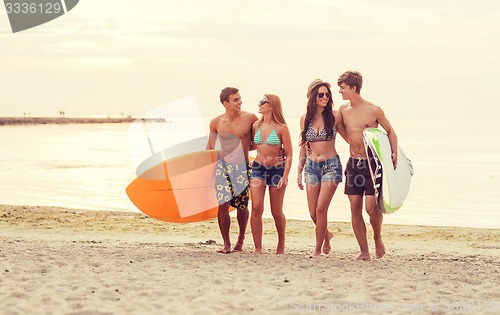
pixel 358 115
pixel 234 131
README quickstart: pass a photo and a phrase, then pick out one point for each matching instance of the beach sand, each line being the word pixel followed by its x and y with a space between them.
pixel 66 261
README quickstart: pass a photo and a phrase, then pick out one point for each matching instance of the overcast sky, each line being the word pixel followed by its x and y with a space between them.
pixel 418 58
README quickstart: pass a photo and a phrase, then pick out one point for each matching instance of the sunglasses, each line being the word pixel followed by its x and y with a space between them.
pixel 320 95
pixel 262 102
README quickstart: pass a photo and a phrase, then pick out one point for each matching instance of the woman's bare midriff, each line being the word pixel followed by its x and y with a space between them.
pixel 269 156
pixel 322 150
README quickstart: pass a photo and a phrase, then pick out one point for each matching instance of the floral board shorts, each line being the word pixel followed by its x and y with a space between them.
pixel 232 184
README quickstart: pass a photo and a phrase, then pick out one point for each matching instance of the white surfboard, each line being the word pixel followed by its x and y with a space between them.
pixel 391 185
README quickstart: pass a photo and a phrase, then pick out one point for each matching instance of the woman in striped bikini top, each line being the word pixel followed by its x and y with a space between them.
pixel 269 171
pixel 272 138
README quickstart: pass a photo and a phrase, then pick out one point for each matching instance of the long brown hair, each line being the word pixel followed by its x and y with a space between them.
pixel 275 104
pixel 327 114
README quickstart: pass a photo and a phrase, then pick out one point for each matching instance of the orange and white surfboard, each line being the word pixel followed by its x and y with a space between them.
pixel 179 189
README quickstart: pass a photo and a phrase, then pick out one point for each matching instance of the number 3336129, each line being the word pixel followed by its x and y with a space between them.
pixel 33 8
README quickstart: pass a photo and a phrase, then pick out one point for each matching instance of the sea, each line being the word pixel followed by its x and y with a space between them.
pixel 456 165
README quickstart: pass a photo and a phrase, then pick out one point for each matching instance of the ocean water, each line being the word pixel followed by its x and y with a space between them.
pixel 456 181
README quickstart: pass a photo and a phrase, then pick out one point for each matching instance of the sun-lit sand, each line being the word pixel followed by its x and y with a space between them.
pixel 66 261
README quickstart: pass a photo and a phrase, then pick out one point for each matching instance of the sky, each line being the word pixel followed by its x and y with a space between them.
pixel 419 59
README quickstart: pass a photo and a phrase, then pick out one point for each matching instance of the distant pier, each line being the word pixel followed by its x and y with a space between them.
pixel 68 120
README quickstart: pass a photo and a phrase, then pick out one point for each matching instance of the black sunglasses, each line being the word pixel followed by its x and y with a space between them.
pixel 320 95
pixel 262 102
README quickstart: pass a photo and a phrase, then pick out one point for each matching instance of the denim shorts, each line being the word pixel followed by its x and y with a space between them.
pixel 270 174
pixel 325 171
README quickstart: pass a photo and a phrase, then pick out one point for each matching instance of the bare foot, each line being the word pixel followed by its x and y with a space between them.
pixel 280 249
pixel 316 254
pixel 327 247
pixel 379 248
pixel 225 250
pixel 257 252
pixel 363 256
pixel 238 247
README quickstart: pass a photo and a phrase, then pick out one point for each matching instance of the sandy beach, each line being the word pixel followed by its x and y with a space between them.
pixel 67 261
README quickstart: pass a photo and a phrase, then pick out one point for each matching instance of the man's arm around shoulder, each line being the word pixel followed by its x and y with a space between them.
pixel 252 117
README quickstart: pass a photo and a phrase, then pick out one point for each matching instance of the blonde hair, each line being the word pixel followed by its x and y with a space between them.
pixel 275 104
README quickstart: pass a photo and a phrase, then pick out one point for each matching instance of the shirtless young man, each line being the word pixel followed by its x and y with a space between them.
pixel 358 115
pixel 234 131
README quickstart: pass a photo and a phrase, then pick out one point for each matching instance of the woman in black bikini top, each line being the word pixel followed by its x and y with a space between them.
pixel 321 165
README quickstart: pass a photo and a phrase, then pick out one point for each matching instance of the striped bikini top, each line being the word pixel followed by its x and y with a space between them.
pixel 312 136
pixel 272 139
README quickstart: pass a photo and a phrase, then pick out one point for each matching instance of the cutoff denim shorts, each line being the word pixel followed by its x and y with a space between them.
pixel 325 171
pixel 270 174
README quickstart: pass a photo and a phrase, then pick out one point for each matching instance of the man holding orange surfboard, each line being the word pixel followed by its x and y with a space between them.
pixel 234 131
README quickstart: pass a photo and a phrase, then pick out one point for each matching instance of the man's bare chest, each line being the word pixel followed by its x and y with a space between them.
pixel 359 120
pixel 238 129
